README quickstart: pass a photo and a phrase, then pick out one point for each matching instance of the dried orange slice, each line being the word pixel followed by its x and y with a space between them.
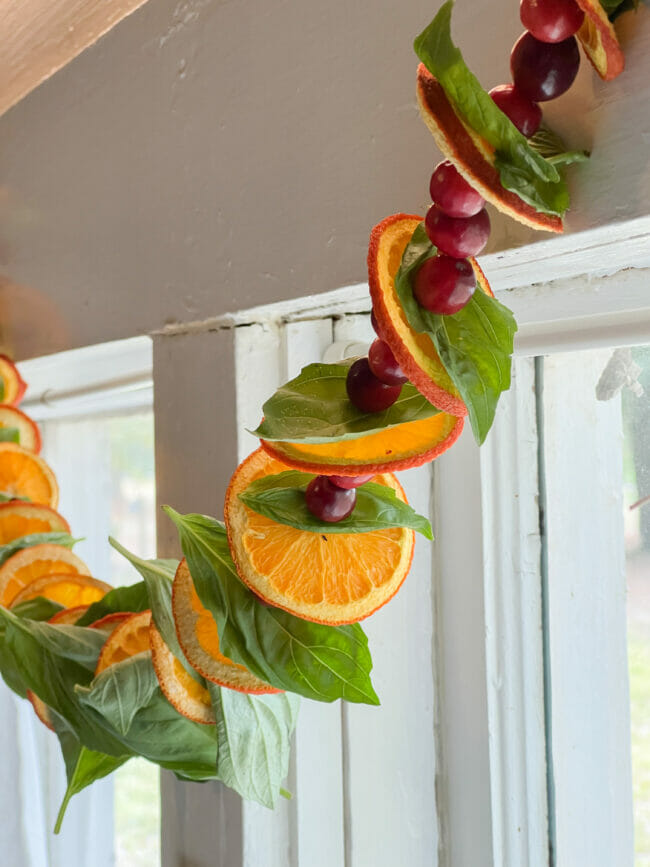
pixel 25 566
pixel 472 155
pixel 41 710
pixel 415 352
pixel 109 622
pixel 199 640
pixel 69 616
pixel 128 639
pixel 22 519
pixel 598 38
pixel 29 436
pixel 68 590
pixel 26 476
pixel 190 698
pixel 336 578
pixel 406 445
pixel 13 384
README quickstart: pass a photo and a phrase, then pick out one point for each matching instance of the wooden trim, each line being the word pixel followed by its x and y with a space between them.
pixel 39 37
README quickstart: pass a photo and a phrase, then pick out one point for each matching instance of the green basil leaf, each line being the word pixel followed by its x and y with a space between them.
pixel 2 389
pixel 549 144
pixel 82 766
pixel 119 691
pixel 522 170
pixel 158 576
pixel 134 598
pixel 319 662
pixel 9 435
pixel 39 608
pixel 6 497
pixel 281 498
pixel 315 408
pixel 64 539
pixel 254 737
pixel 474 345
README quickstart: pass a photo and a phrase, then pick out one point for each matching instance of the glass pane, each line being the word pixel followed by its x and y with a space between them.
pixel 636 467
pixel 105 470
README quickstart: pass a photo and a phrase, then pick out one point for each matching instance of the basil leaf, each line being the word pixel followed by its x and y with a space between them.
pixel 9 435
pixel 158 576
pixel 2 389
pixel 315 408
pixel 254 737
pixel 549 144
pixel 64 539
pixel 39 608
pixel 6 497
pixel 119 691
pixel 474 345
pixel 134 598
pixel 319 662
pixel 281 498
pixel 522 170
pixel 82 766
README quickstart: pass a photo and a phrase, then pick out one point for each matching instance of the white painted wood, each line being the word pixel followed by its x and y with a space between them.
pixel 461 704
pixel 390 767
pixel 513 627
pixel 202 825
pixel 587 616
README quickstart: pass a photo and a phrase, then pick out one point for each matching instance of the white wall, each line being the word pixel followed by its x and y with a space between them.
pixel 208 155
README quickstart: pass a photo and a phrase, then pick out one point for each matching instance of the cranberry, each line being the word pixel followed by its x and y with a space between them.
pixel 444 285
pixel 329 502
pixel 451 192
pixel 348 482
pixel 524 113
pixel 457 236
pixel 543 70
pixel 551 20
pixel 383 365
pixel 368 393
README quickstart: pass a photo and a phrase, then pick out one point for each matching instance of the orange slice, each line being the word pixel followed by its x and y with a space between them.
pixel 415 352
pixel 398 448
pixel 25 566
pixel 335 579
pixel 26 476
pixel 128 639
pixel 190 698
pixel 68 590
pixel 598 38
pixel 109 622
pixel 69 616
pixel 14 385
pixel 22 519
pixel 28 432
pixel 472 155
pixel 199 640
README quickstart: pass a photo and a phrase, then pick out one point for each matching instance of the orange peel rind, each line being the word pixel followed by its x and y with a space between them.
pixel 472 155
pixel 199 640
pixel 29 434
pixel 334 579
pixel 599 41
pixel 22 519
pixel 128 639
pixel 14 384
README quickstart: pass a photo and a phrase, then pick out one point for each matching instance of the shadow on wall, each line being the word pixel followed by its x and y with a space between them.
pixel 29 320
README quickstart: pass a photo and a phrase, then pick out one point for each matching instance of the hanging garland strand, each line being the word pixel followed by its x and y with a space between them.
pixel 198 667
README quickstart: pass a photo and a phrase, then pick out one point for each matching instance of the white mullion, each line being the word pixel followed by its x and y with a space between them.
pixel 514 643
pixel 590 722
pixel 390 753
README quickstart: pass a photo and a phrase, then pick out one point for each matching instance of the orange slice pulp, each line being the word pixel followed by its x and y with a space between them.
pixel 189 697
pixel 199 639
pixel 22 519
pixel 128 639
pixel 335 578
pixel 14 385
pixel 29 436
pixel 68 590
pixel 25 566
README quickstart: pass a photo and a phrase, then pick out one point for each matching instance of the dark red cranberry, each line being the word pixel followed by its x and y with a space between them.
pixel 451 192
pixel 457 236
pixel 544 70
pixel 383 364
pixel 348 482
pixel 524 113
pixel 444 285
pixel 329 502
pixel 366 392
pixel 551 20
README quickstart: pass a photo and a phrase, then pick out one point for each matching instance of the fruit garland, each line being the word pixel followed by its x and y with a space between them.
pixel 198 667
